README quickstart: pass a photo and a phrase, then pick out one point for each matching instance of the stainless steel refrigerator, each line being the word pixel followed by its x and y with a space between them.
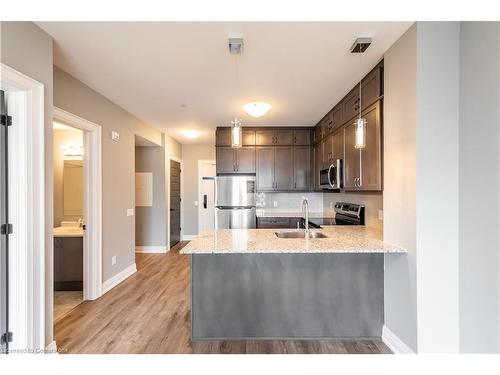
pixel 235 202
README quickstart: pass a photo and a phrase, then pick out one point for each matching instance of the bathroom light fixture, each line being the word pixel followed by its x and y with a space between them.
pixel 236 133
pixel 190 133
pixel 257 109
pixel 360 46
pixel 72 151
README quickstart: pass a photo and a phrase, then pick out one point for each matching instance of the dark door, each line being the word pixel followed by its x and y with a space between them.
pixel 302 137
pixel 4 221
pixel 225 160
pixel 371 163
pixel 264 137
pixel 265 168
pixel 283 167
pixel 351 159
pixel 245 160
pixel 301 167
pixel 175 202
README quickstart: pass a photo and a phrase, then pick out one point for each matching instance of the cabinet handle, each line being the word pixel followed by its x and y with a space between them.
pixel 294 139
pixel 295 185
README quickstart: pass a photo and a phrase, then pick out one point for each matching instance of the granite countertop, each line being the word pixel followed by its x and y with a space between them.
pixel 341 239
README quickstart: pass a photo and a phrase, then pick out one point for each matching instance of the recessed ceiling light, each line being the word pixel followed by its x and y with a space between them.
pixel 257 109
pixel 190 133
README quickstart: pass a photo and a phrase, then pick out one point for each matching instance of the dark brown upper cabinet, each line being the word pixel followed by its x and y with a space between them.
pixel 248 137
pixel 318 163
pixel 274 137
pixel 264 168
pixel 301 168
pixel 302 137
pixel 283 168
pixel 363 167
pixel 318 132
pixel 223 137
pixel 265 137
pixel 235 160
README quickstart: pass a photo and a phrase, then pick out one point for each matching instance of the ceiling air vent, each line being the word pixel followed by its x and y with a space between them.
pixel 360 45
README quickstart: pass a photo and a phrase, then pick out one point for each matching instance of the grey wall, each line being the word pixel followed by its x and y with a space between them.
pixel 189 184
pixel 479 186
pixel 118 170
pixel 150 222
pixel 400 284
pixel 28 49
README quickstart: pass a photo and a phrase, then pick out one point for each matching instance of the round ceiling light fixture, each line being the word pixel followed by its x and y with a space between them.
pixel 190 133
pixel 257 109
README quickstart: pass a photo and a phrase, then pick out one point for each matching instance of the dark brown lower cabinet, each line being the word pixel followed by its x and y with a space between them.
pixel 68 263
pixel 363 167
pixel 278 222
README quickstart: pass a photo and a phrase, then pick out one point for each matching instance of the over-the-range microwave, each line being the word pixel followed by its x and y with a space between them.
pixel 331 178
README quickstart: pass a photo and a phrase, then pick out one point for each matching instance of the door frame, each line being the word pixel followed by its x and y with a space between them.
pixel 92 248
pixel 170 157
pixel 200 163
pixel 27 306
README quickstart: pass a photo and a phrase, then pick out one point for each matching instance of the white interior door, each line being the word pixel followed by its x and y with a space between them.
pixel 206 212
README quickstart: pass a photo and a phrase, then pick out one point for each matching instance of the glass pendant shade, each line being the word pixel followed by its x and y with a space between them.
pixel 236 133
pixel 360 133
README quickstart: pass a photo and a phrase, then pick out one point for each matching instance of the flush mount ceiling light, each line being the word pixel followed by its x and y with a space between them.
pixel 190 133
pixel 257 109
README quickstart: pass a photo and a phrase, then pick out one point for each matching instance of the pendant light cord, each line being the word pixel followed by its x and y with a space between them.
pixel 360 79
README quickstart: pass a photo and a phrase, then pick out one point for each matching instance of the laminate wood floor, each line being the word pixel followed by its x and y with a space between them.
pixel 149 313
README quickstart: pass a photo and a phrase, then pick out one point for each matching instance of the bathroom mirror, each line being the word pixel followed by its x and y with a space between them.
pixel 73 188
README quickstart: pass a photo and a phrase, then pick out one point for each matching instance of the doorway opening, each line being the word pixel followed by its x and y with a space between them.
pixel 206 194
pixel 68 152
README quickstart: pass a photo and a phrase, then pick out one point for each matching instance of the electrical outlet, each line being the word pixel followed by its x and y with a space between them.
pixel 115 136
pixel 380 215
pixel 196 203
pixel 130 212
pixel 275 203
pixel 113 260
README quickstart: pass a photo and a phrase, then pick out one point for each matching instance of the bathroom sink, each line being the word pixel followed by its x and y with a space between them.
pixel 299 234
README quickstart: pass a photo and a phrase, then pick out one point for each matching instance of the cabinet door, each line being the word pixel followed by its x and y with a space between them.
pixel 350 104
pixel 371 155
pixel 337 117
pixel 223 137
pixel 302 137
pixel 265 168
pixel 318 163
pixel 264 137
pixel 351 159
pixel 328 124
pixel 248 137
pixel 283 167
pixel 225 160
pixel 370 88
pixel 327 151
pixel 284 137
pixel 338 144
pixel 301 168
pixel 318 132
pixel 245 159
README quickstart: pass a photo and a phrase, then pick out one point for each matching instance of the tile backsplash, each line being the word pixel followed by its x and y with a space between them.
pixel 289 202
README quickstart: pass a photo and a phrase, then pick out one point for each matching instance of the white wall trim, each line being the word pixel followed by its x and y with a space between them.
pixel 151 249
pixel 92 273
pixel 27 209
pixel 188 237
pixel 200 163
pixel 394 342
pixel 51 348
pixel 170 157
pixel 118 278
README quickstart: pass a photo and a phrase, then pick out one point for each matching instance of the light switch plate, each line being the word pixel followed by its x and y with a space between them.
pixel 275 203
pixel 115 136
pixel 130 212
pixel 196 203
pixel 380 215
pixel 113 260
pixel 331 204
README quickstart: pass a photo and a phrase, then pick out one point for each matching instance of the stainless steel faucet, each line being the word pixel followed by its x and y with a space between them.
pixel 305 207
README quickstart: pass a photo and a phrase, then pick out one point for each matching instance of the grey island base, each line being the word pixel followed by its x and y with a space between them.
pixel 249 284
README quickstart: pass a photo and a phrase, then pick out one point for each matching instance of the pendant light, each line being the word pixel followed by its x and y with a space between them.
pixel 360 46
pixel 235 48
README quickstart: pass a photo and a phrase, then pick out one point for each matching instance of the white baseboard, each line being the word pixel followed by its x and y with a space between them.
pixel 118 278
pixel 151 249
pixel 394 342
pixel 51 348
pixel 189 237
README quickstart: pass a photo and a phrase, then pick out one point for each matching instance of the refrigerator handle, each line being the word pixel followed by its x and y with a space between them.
pixel 204 201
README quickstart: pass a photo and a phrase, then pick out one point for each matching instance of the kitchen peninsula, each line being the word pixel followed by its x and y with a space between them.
pixel 250 284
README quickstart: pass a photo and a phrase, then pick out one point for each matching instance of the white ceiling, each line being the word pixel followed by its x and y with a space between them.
pixel 176 75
